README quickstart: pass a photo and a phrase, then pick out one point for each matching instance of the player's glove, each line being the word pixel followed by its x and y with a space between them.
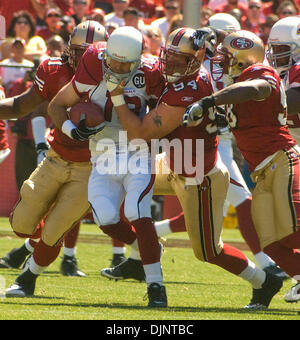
pixel 82 132
pixel 41 149
pixel 202 35
pixel 197 110
pixel 220 118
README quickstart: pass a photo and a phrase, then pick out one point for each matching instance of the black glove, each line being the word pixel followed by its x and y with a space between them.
pixel 82 132
pixel 197 110
pixel 202 35
pixel 221 120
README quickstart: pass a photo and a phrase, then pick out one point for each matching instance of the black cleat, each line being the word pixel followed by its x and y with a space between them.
pixel 157 296
pixel 129 269
pixel 24 285
pixel 117 259
pixel 68 267
pixel 14 258
pixel 277 271
pixel 262 297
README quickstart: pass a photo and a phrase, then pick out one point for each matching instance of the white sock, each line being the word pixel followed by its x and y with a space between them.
pixel 28 245
pixel 135 254
pixel 153 273
pixel 162 228
pixel 38 129
pixel 263 260
pixel 69 251
pixel 119 250
pixel 254 275
pixel 35 268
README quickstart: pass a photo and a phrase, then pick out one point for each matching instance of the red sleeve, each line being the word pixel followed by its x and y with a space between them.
pixel 89 71
pixel 40 81
pixel 294 75
pixel 154 80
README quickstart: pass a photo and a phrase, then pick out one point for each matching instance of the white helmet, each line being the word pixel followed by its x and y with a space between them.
pixel 224 21
pixel 284 44
pixel 125 45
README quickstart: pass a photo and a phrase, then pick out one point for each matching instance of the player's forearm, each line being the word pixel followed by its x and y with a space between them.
pixel 242 92
pixel 293 101
pixel 130 122
pixel 58 113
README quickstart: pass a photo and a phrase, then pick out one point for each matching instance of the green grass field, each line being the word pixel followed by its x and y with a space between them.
pixel 196 291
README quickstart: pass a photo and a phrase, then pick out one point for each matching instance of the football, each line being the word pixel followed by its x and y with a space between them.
pixel 91 112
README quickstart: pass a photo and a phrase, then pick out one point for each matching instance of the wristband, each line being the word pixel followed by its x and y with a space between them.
pixel 67 128
pixel 118 100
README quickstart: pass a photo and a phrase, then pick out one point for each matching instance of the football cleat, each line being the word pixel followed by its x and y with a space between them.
pixel 117 259
pixel 262 297
pixel 24 285
pixel 277 271
pixel 14 258
pixel 157 296
pixel 129 269
pixel 293 295
pixel 68 267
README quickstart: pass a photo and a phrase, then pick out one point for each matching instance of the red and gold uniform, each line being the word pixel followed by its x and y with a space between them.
pixel 60 181
pixel 262 135
pixel 202 201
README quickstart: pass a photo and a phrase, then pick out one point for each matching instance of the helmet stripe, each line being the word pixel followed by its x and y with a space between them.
pixel 90 33
pixel 178 36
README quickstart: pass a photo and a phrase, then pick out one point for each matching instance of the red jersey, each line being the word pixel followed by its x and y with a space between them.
pixel 3 140
pixel 50 77
pixel 292 80
pixel 260 127
pixel 184 93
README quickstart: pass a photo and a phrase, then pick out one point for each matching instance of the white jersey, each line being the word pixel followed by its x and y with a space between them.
pixel 138 92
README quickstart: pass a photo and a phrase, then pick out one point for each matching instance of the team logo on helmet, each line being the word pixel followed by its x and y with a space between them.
pixel 241 43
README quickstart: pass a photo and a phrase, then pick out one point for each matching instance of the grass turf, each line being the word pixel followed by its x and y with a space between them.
pixel 196 291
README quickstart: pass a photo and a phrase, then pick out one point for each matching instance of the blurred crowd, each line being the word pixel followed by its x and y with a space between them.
pixel 37 29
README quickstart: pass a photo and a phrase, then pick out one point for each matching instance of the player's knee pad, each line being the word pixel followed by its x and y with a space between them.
pixel 135 209
pixel 104 211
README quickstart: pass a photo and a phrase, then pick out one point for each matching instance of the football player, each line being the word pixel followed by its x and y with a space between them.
pixel 258 120
pixel 120 61
pixel 203 199
pixel 57 189
pixel 284 55
pixel 238 193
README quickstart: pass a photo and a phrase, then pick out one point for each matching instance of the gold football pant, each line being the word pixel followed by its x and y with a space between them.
pixel 202 206
pixel 57 189
pixel 276 198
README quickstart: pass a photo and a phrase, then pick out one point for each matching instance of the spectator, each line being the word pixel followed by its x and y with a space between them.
pixel 116 16
pixel 232 4
pixel 66 6
pixel 214 4
pixel 205 14
pixel 68 24
pixel 175 22
pixel 36 8
pixel 10 74
pixel 146 7
pixel 132 17
pixel 171 8
pixel 56 46
pixel 255 18
pixel 106 5
pixel 23 27
pixel 237 14
pixel 266 27
pixel 271 7
pixel 287 9
pixel 80 8
pixel 154 42
pixel 97 14
pixel 53 22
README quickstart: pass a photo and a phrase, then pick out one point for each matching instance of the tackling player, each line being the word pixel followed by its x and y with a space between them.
pixel 202 202
pixel 57 189
pixel 284 55
pixel 258 121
